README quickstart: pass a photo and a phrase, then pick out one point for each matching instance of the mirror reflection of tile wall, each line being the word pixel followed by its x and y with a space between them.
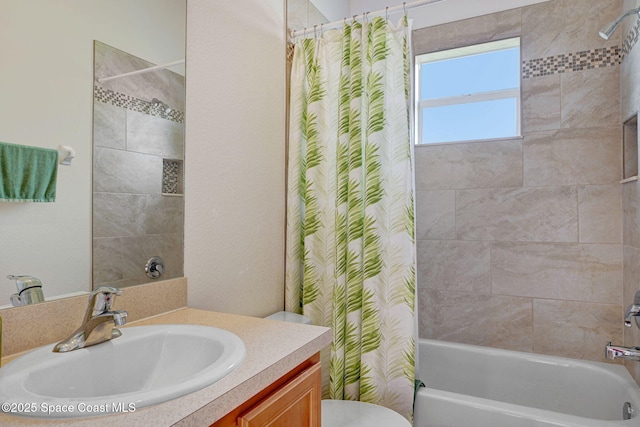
pixel 138 150
pixel 302 13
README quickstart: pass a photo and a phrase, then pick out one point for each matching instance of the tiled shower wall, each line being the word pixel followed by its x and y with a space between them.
pixel 303 14
pixel 138 151
pixel 630 102
pixel 520 240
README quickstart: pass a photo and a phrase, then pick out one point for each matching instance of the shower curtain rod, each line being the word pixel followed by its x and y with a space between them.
pixel 404 6
pixel 144 70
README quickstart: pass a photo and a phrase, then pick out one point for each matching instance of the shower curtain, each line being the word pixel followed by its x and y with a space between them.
pixel 350 213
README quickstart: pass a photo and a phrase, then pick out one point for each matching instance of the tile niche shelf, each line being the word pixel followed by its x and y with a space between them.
pixel 172 177
pixel 630 150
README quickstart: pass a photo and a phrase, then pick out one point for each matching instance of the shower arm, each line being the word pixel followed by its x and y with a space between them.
pixel 607 31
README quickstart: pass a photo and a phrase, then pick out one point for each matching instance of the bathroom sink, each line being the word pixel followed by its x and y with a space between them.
pixel 145 366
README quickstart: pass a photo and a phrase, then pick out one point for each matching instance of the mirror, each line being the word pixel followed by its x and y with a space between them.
pixel 138 154
pixel 46 100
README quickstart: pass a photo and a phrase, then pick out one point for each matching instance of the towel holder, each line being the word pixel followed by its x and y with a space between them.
pixel 66 154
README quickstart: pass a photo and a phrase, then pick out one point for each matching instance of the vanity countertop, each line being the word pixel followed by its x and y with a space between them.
pixel 273 349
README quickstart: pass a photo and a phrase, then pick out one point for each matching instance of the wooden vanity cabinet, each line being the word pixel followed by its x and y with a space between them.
pixel 292 401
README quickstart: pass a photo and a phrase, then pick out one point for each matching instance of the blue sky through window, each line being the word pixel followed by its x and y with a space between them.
pixel 471 74
pixel 470 93
pixel 464 122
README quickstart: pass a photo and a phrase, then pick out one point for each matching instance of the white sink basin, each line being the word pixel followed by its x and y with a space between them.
pixel 145 366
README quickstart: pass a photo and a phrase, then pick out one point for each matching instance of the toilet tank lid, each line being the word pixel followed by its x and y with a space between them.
pixel 286 316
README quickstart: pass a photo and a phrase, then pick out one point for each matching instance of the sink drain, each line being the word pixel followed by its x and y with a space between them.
pixel 627 411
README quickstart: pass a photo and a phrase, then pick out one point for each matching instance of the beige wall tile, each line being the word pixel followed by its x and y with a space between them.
pixel 118 214
pixel 631 280
pixel 124 172
pixel 563 26
pixel 631 275
pixel 137 250
pixel 573 157
pixel 107 260
pixel 496 26
pixel 469 165
pixel 600 213
pixel 630 77
pixel 630 103
pixel 454 265
pixel 575 329
pixel 164 214
pixel 541 103
pixel 631 214
pixel 109 126
pixel 548 205
pixel 561 271
pixel 591 97
pixel 518 214
pixel 490 320
pixel 154 135
pixel 435 214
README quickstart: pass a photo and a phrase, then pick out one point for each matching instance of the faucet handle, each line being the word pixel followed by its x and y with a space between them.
pixel 101 299
pixel 632 311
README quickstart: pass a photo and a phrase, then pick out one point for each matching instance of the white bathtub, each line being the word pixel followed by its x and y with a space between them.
pixel 476 386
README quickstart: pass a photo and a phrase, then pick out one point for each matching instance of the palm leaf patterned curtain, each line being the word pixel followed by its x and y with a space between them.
pixel 350 213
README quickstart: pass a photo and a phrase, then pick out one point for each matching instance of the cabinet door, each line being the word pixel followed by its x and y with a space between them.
pixel 295 404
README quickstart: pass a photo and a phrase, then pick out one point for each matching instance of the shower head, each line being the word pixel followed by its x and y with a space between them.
pixel 156 103
pixel 606 32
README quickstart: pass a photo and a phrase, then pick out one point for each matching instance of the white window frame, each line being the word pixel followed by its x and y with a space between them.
pixel 466 98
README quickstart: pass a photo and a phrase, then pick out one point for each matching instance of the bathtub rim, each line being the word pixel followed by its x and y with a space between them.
pixel 512 409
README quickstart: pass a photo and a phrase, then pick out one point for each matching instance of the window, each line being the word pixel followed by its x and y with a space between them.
pixel 469 93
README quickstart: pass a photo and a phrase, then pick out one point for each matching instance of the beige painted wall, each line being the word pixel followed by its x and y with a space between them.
pixel 520 241
pixel 235 156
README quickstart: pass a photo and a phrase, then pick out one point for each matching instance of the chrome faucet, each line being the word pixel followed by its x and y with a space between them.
pixel 633 311
pixel 96 326
pixel 613 352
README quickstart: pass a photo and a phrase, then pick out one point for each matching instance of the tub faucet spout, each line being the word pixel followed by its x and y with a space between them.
pixel 613 352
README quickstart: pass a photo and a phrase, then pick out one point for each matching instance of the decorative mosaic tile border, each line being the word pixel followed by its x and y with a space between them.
pixel 585 60
pixel 171 176
pixel 134 104
pixel 578 61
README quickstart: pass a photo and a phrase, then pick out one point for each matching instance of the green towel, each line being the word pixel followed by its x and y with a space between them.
pixel 27 174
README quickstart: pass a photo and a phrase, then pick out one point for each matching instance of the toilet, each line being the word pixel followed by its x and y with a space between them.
pixel 348 413
pixel 287 316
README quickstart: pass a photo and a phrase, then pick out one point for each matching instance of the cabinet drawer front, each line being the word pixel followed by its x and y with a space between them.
pixel 295 404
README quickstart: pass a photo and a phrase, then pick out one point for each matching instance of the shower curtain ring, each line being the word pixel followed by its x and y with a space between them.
pixel 315 31
pixel 321 30
pixel 386 14
pixel 404 7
